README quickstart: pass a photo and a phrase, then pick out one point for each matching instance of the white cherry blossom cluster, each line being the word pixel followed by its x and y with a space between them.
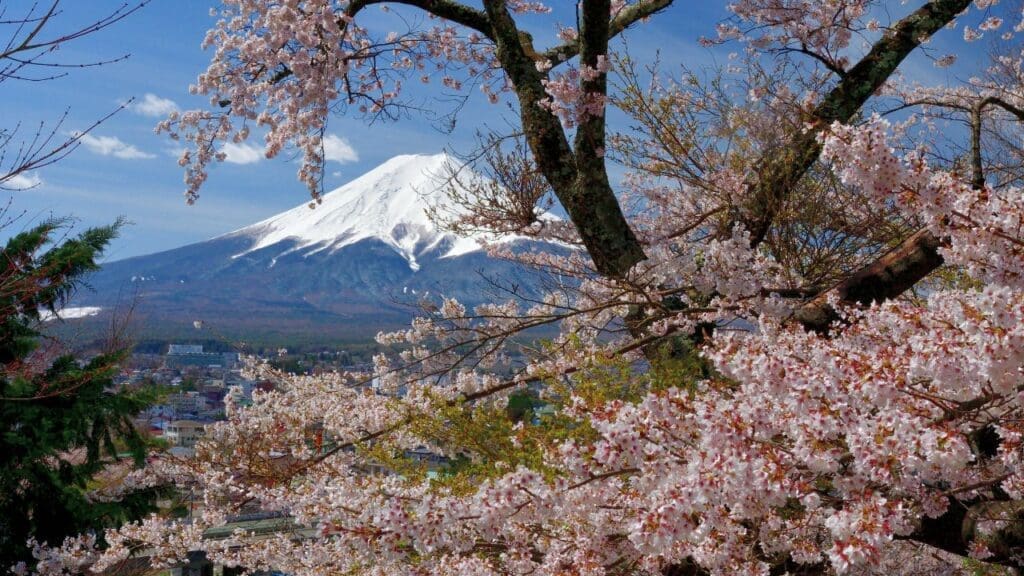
pixel 568 100
pixel 824 27
pixel 983 225
pixel 527 7
pixel 828 29
pixel 281 67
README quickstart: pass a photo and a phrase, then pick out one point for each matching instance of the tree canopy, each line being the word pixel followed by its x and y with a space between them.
pixel 64 425
pixel 791 340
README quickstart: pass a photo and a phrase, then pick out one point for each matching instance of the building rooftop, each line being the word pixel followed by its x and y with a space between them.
pixel 181 423
pixel 174 349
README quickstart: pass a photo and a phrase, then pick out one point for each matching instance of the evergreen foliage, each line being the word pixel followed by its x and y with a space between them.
pixel 61 420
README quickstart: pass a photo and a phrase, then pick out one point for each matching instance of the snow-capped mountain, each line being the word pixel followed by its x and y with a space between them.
pixel 387 203
pixel 357 262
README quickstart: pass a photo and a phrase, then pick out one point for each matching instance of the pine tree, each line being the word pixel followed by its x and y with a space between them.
pixel 61 419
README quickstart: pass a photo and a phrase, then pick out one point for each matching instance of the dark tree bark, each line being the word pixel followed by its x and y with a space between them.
pixel 888 277
pixel 579 179
pixel 777 175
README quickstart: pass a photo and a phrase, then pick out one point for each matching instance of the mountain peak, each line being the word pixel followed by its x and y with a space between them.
pixel 346 269
pixel 387 203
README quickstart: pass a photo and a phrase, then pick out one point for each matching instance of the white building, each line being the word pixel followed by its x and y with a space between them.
pixel 184 433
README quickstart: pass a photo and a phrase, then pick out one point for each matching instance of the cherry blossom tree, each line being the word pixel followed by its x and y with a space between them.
pixel 715 404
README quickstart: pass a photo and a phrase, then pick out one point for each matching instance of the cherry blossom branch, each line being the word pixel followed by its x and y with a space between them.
pixel 777 175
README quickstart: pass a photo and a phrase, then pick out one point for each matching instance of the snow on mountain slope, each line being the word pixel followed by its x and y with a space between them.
pixel 70 312
pixel 387 203
pixel 360 262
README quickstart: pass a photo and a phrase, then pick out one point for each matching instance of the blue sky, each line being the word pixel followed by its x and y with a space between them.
pixel 127 170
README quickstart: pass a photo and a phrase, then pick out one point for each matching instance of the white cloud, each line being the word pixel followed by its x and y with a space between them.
pixel 112 146
pixel 337 149
pixel 22 181
pixel 153 105
pixel 242 153
pixel 175 151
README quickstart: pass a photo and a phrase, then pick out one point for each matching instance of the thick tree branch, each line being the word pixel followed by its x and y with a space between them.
pixel 447 9
pixel 592 190
pixel 593 43
pixel 543 132
pixel 624 19
pixel 586 196
pixel 977 170
pixel 885 278
pixel 955 530
pixel 778 174
pixel 912 260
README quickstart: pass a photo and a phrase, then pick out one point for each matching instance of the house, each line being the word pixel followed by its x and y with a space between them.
pixel 184 433
pixel 184 355
pixel 190 402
